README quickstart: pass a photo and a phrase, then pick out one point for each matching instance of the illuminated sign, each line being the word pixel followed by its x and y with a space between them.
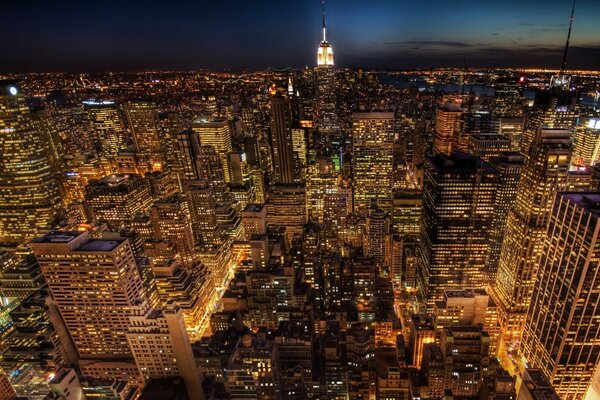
pixel 594 124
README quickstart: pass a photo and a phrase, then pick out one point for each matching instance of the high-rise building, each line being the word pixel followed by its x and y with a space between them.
pixel 469 307
pixel 201 196
pixel 466 356
pixel 281 140
pixel 586 149
pixel 143 122
pixel 561 330
pixel 94 283
pixel 447 127
pixel 116 199
pixel 29 193
pixel 546 119
pixel 377 236
pixel 327 119
pixel 171 220
pixel 458 209
pixel 373 150
pixel 509 165
pixel 187 147
pixel 106 131
pixel 215 133
pixel 286 206
pixel 544 173
pixel 161 347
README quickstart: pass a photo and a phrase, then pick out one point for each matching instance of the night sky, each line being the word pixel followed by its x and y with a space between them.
pixel 96 35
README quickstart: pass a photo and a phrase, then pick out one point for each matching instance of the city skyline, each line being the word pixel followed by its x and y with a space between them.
pixel 242 35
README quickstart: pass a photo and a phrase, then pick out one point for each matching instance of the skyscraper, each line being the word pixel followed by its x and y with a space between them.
pixel 327 119
pixel 143 122
pixel 216 133
pixel 281 140
pixel 544 172
pixel 447 127
pixel 95 283
pixel 106 131
pixel 29 194
pixel 373 149
pixel 562 332
pixel 458 208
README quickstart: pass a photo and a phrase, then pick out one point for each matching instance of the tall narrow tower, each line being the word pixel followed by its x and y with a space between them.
pixel 326 120
pixel 29 194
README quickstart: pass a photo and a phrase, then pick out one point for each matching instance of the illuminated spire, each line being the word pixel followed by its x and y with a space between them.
pixel 325 51
pixel 324 26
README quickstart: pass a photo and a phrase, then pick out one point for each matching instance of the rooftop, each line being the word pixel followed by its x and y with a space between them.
pixel 589 201
pixel 100 245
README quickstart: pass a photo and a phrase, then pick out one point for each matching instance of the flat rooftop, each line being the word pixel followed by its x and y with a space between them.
pixel 58 237
pixel 459 163
pixel 589 201
pixel 100 245
pixel 253 207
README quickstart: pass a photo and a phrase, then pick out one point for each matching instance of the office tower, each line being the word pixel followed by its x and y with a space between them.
pixel 254 219
pixel 299 145
pixel 548 119
pixel 373 149
pixel 142 119
pixel 215 133
pixel 422 333
pixel 447 127
pixel 512 128
pixel 187 146
pixel 210 168
pixel 106 131
pixel 321 181
pixel 203 203
pixel 191 288
pixel 508 101
pixel 536 386
pixel 561 330
pixel 171 220
pixel 544 173
pixel 488 146
pixel 586 149
pixel 377 236
pixel 170 125
pixel 466 356
pixel 281 140
pixel 94 283
pixel 407 205
pixel 434 370
pixel 116 199
pixel 161 347
pixel 509 165
pixel 458 209
pixel 29 193
pixel 237 167
pixel 335 364
pixel 326 112
pixel 469 307
pixel 286 206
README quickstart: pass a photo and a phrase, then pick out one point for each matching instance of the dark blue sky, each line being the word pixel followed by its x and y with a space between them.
pixel 105 35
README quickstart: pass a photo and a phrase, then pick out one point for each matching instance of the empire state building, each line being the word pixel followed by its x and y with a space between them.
pixel 326 121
